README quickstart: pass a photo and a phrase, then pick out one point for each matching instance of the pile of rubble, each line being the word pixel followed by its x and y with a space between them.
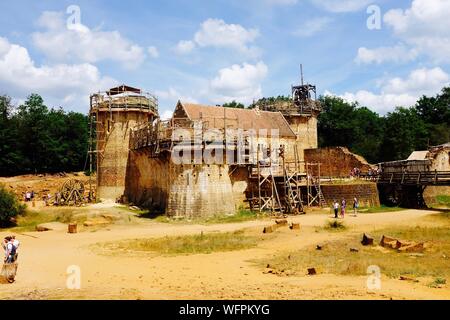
pixel 279 224
pixel 396 244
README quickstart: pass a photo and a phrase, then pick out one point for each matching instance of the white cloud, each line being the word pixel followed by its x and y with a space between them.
pixel 312 26
pixel 173 95
pixel 77 43
pixel 153 52
pixel 60 83
pixel 424 26
pixel 166 115
pixel 398 53
pixel 342 5
pixel 240 83
pixel 401 92
pixel 217 33
pixel 184 47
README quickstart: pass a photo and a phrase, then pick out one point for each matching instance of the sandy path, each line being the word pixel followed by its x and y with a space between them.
pixel 226 275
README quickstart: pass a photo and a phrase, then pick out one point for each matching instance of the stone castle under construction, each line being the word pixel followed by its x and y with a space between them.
pixel 255 157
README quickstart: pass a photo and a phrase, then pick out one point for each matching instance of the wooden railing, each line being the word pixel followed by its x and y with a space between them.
pixel 441 178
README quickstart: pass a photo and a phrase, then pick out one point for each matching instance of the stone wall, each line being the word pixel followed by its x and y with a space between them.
pixel 200 191
pixel 188 190
pixel 441 160
pixel 431 192
pixel 336 161
pixel 367 194
pixel 306 130
pixel 240 184
pixel 113 137
pixel 147 182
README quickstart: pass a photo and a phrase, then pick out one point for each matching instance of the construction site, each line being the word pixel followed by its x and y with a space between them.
pixel 211 160
pixel 229 203
pixel 262 159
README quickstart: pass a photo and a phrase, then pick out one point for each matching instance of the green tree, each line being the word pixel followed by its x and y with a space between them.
pixel 233 104
pixel 405 131
pixel 347 124
pixel 11 156
pixel 435 112
pixel 10 207
pixel 36 139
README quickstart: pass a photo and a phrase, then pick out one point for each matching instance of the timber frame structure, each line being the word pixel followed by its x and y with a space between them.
pixel 275 184
pixel 252 155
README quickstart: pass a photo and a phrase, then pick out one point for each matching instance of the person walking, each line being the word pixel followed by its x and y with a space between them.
pixel 336 208
pixel 5 245
pixel 343 206
pixel 10 251
pixel 355 206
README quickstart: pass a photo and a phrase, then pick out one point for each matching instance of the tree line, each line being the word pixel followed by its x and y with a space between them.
pixel 36 139
pixel 378 138
pixel 385 138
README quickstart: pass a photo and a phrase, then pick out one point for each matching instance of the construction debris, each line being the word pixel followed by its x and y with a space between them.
pixel 41 228
pixel 268 229
pixel 407 278
pixel 282 222
pixel 295 226
pixel 388 242
pixel 72 228
pixel 402 245
pixel 412 247
pixel 312 271
pixel 366 240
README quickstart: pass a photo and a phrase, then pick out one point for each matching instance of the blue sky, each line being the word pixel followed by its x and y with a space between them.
pixel 213 52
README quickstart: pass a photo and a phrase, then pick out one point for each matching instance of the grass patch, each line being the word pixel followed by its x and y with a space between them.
pixel 336 257
pixel 241 216
pixel 336 225
pixel 345 181
pixel 191 244
pixel 437 283
pixel 141 212
pixel 443 200
pixel 379 209
pixel 33 218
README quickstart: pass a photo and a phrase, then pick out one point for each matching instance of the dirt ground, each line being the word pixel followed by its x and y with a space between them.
pixel 45 257
pixel 42 184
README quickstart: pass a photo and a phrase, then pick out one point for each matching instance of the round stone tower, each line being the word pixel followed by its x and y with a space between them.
pixel 113 114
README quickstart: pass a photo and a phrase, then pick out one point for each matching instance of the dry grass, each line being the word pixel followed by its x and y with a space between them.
pixel 32 218
pixel 380 209
pixel 191 244
pixel 336 257
pixel 240 216
pixel 335 224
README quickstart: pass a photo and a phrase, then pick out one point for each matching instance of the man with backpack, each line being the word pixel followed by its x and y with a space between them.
pixel 11 250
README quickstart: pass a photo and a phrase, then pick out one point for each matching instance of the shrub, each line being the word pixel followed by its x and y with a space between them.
pixel 10 207
pixel 335 225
